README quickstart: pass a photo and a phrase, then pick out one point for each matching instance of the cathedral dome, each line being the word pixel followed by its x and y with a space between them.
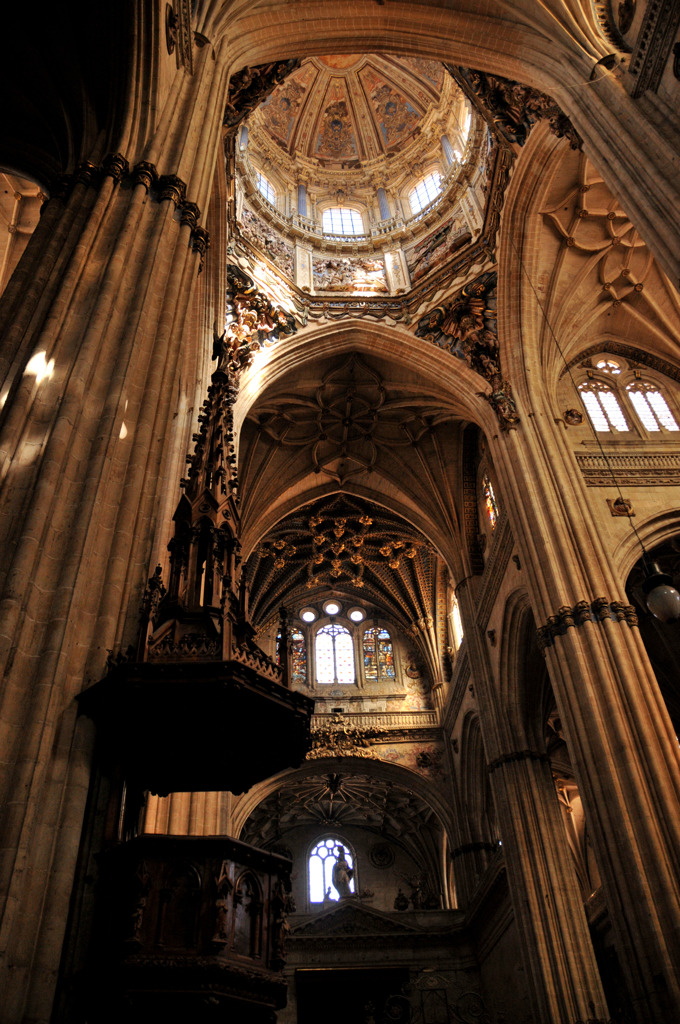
pixel 355 109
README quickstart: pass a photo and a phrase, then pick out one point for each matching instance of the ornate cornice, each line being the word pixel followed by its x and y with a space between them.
pixel 598 610
pixel 657 33
pixel 653 469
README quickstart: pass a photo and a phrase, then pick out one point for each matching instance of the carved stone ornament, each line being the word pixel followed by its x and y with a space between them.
pixel 255 321
pixel 573 417
pixel 250 86
pixel 502 402
pixel 338 739
pixel 620 507
pixel 466 326
pixel 582 612
pixel 513 109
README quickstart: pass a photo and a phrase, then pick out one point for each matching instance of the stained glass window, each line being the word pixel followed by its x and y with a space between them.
pixel 298 657
pixel 602 406
pixel 321 862
pixel 651 407
pixel 490 503
pixel 335 656
pixel 378 655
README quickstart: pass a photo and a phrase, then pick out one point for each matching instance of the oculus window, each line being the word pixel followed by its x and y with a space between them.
pixel 341 220
pixel 425 191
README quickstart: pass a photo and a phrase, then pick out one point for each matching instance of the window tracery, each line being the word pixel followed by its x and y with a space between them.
pixel 620 399
pixel 331 870
pixel 334 656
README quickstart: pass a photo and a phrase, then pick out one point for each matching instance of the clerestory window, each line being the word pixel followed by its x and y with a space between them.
pixel 425 191
pixel 341 220
pixel 266 188
pixel 378 655
pixel 621 400
pixel 335 656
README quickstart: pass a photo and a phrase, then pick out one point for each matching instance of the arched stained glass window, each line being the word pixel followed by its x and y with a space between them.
pixel 323 858
pixel 378 655
pixel 298 650
pixel 602 406
pixel 490 503
pixel 651 406
pixel 335 656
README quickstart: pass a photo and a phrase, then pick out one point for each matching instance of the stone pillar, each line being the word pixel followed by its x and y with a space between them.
pixel 303 268
pixel 103 293
pixel 558 952
pixel 302 200
pixel 383 204
pixel 622 744
pixel 447 150
pixel 396 271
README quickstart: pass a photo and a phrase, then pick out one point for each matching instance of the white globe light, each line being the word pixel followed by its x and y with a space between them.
pixel 664 603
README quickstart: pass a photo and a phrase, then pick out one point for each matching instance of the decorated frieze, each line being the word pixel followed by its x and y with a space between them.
pixel 357 274
pixel 437 247
pixel 268 242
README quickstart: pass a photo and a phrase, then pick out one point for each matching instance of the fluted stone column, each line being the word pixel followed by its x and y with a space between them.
pixel 101 296
pixel 622 743
pixel 558 952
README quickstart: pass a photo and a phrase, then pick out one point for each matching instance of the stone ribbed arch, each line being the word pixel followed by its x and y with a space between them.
pixel 524 696
pixel 243 806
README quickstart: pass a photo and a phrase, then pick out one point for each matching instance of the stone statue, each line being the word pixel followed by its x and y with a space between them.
pixel 342 874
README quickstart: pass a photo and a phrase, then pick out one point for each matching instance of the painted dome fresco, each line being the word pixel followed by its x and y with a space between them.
pixel 353 109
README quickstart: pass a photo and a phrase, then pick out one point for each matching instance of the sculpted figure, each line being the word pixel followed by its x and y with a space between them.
pixel 342 874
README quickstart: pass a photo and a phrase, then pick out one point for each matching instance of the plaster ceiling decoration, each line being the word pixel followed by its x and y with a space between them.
pixel 351 544
pixel 351 108
pixel 343 799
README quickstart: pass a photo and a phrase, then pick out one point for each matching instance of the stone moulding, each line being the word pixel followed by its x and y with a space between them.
pixel 159 186
pixel 657 33
pixel 597 611
pixel 658 469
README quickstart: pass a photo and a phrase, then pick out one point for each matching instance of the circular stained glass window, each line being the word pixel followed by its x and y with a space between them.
pixel 308 614
pixel 332 608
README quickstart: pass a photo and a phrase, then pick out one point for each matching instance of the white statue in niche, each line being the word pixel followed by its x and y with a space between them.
pixel 342 874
